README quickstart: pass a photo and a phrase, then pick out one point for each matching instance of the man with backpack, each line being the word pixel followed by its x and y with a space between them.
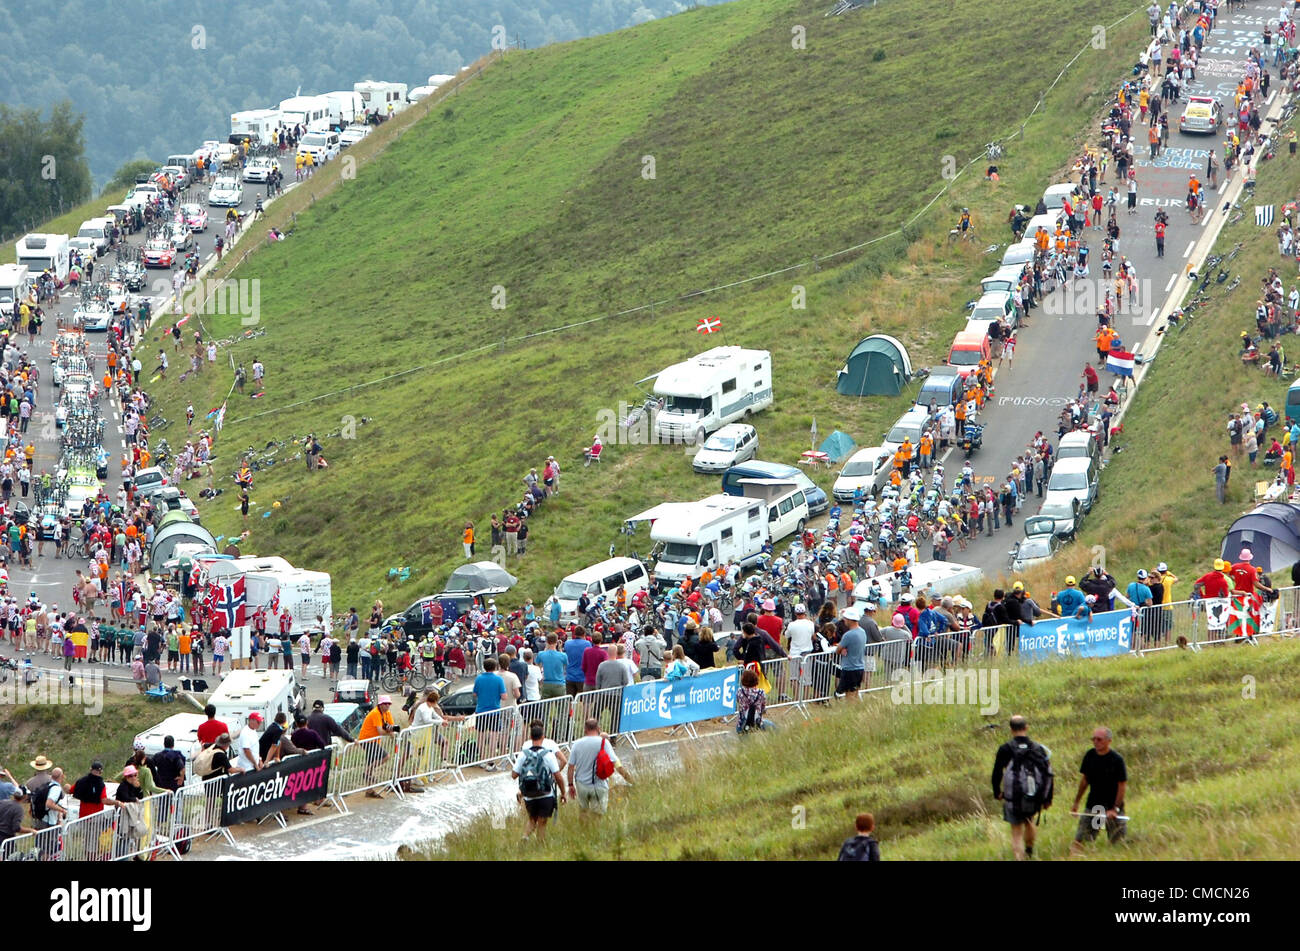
pixel 1023 780
pixel 540 779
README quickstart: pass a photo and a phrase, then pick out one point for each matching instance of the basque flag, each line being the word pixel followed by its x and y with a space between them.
pixel 708 325
pixel 1120 362
pixel 230 605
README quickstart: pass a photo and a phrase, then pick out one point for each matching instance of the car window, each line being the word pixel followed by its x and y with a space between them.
pixel 797 499
pixel 635 573
pixel 613 581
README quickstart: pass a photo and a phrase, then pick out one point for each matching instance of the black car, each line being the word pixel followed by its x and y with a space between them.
pixel 460 704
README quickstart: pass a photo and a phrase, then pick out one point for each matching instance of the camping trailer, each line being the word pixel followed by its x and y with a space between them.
pixel 348 108
pixel 304 110
pixel 378 96
pixel 15 286
pixel 260 125
pixel 710 390
pixel 705 534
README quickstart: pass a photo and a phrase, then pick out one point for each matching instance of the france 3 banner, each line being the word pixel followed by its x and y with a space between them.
pixel 660 703
pixel 1106 635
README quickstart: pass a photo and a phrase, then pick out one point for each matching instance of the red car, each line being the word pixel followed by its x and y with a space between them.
pixel 159 253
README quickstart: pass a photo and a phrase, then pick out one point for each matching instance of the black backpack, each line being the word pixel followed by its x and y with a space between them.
pixel 1028 782
pixel 535 780
pixel 860 848
pixel 40 798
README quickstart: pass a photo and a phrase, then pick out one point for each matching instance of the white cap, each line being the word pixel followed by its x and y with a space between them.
pixel 852 613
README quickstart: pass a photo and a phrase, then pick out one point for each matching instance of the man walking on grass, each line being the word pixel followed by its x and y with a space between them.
pixel 1105 779
pixel 1022 779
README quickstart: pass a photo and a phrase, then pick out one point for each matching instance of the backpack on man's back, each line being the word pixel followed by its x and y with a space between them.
pixel 535 780
pixel 1028 782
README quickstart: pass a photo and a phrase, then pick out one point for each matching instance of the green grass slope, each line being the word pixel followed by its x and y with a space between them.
pixel 1208 739
pixel 530 183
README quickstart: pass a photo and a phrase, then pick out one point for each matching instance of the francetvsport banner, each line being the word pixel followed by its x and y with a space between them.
pixel 1105 635
pixel 291 782
pixel 659 703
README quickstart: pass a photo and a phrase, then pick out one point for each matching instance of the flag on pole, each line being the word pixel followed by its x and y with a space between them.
pixel 1120 362
pixel 230 605
pixel 275 602
pixel 183 320
pixel 221 417
pixel 708 325
pixel 1263 215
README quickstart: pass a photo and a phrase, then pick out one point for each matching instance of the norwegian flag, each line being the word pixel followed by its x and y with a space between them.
pixel 229 605
pixel 708 325
pixel 123 594
pixel 196 575
pixel 275 602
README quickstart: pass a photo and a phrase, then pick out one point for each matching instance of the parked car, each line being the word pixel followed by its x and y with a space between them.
pixel 354 691
pixel 158 252
pixel 181 237
pixel 1064 511
pixel 945 386
pixel 353 134
pixel 994 305
pixel 1041 542
pixel 732 444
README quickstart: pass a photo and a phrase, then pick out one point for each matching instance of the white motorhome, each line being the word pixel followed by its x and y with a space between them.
pixel 304 110
pixel 41 251
pixel 705 534
pixel 15 286
pixel 260 125
pixel 304 594
pixel 267 692
pixel 710 390
pixel 378 96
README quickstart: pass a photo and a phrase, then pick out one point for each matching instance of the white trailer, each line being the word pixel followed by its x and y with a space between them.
pixel 267 692
pixel 930 577
pixel 710 390
pixel 377 96
pixel 15 286
pixel 41 251
pixel 303 594
pixel 260 125
pixel 304 110
pixel 705 534
pixel 348 107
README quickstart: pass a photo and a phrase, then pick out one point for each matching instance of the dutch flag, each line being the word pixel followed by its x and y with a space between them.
pixel 1120 362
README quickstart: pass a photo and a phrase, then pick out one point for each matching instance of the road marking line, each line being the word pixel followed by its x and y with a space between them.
pixel 1170 286
pixel 1188 252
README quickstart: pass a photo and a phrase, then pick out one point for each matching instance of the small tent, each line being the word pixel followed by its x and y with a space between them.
pixel 175 529
pixel 838 446
pixel 877 366
pixel 1272 534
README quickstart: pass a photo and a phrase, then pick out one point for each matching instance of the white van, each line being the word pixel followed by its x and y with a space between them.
pixel 186 160
pixel 604 578
pixel 267 692
pixel 1055 195
pixel 787 508
pixel 15 285
pixel 40 252
pixel 100 230
pixel 323 146
pixel 1021 253
pixel 182 728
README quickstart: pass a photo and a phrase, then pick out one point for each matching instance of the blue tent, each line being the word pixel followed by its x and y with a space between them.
pixel 838 446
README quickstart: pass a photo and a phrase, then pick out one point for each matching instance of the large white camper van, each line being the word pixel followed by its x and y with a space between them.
pixel 710 390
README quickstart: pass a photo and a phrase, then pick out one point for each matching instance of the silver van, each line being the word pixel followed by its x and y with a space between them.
pixel 1078 478
pixel 1078 445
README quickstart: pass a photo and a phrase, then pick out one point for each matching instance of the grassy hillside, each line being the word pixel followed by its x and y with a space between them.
pixel 531 181
pixel 1222 786
pixel 73 739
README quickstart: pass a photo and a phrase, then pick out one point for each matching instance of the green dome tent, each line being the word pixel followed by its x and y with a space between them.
pixel 174 529
pixel 877 366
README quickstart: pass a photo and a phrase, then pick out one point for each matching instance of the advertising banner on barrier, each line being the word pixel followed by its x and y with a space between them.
pixel 1105 635
pixel 295 781
pixel 661 703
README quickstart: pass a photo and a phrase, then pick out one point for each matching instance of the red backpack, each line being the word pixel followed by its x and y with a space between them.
pixel 604 762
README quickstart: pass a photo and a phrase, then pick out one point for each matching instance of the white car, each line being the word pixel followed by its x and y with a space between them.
pixel 87 246
pixel 258 169
pixel 95 315
pixel 732 444
pixel 226 193
pixel 1042 541
pixel 353 134
pixel 142 194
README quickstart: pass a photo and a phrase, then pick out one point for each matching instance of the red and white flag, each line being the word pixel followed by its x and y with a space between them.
pixel 708 325
pixel 1120 362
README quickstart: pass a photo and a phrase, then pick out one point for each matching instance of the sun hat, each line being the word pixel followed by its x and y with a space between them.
pixel 383 699
pixel 1162 567
pixel 769 605
pixel 41 764
pixel 1246 555
pixel 130 771
pixel 1142 574
pixel 852 613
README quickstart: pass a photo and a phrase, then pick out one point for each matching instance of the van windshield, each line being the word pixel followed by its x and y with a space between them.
pixel 863 467
pixel 570 590
pixel 91 232
pixel 681 553
pixel 689 404
pixel 964 358
pixel 38 264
